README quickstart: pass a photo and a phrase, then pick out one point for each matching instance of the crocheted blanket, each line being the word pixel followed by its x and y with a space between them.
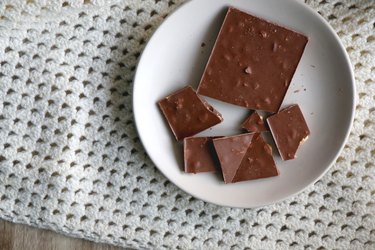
pixel 71 160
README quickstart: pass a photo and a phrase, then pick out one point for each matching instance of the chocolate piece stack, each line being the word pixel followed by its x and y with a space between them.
pixel 251 65
pixel 245 157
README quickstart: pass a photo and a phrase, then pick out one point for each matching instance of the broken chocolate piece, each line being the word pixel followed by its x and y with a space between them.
pixel 257 163
pixel 245 157
pixel 289 130
pixel 252 63
pixel 199 155
pixel 230 151
pixel 254 123
pixel 187 113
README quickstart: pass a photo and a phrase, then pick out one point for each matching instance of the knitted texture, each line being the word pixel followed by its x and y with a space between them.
pixel 71 160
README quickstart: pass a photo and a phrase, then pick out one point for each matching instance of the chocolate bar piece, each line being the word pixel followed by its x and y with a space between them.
pixel 257 163
pixel 199 155
pixel 230 151
pixel 289 130
pixel 252 63
pixel 245 157
pixel 187 113
pixel 254 123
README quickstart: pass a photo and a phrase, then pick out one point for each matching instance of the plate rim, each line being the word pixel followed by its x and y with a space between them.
pixel 336 155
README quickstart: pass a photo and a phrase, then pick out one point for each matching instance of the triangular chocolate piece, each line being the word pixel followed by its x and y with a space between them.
pixel 187 113
pixel 257 163
pixel 230 151
pixel 254 123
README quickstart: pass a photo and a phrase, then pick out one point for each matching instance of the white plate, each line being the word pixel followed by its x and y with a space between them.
pixel 323 86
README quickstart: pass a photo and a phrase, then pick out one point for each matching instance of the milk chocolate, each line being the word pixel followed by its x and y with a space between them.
pixel 199 155
pixel 230 151
pixel 254 123
pixel 257 163
pixel 187 113
pixel 289 130
pixel 252 63
pixel 245 157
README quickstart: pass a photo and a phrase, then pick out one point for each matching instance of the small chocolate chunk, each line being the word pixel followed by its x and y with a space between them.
pixel 289 130
pixel 254 123
pixel 199 155
pixel 187 113
pixel 252 63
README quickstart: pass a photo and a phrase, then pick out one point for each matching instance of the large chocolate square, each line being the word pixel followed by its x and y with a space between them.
pixel 252 62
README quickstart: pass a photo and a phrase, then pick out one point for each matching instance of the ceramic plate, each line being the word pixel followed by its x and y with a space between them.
pixel 323 86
